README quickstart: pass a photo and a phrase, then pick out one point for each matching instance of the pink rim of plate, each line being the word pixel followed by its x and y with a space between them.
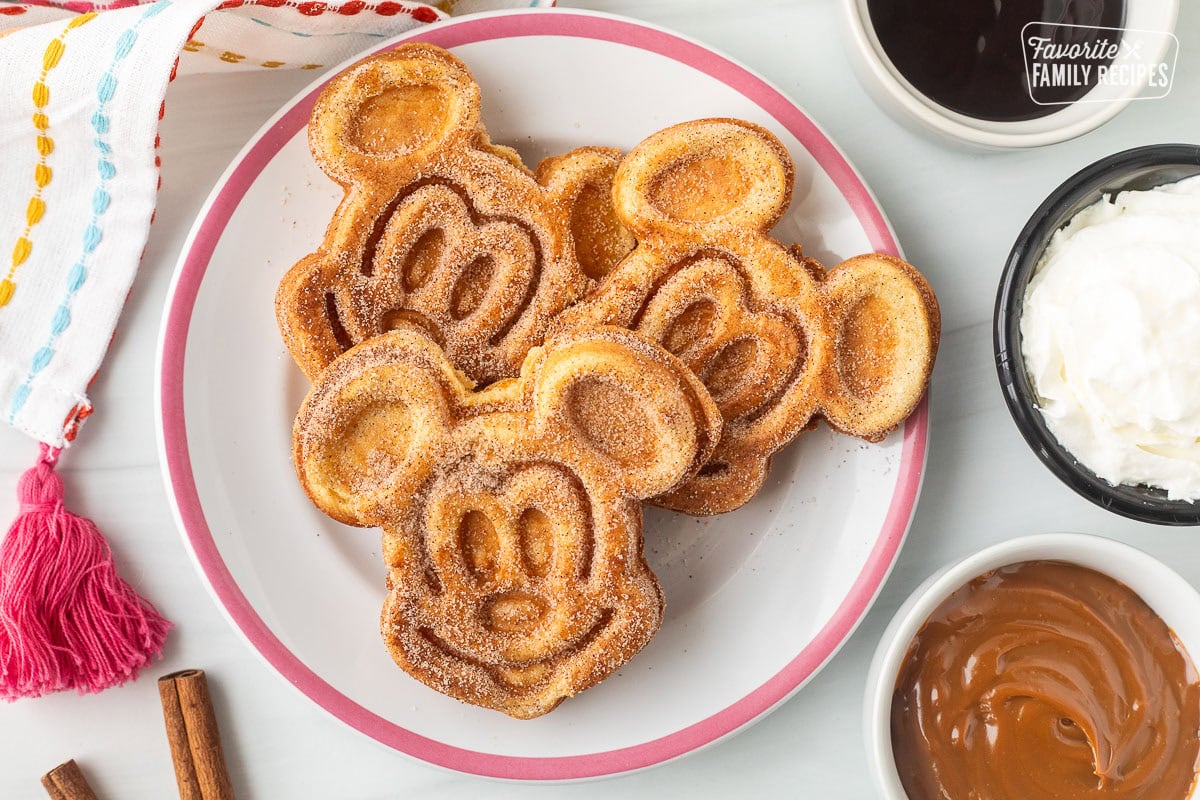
pixel 777 688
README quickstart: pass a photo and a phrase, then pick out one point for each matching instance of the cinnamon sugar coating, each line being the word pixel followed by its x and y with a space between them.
pixel 439 226
pixel 512 515
pixel 776 339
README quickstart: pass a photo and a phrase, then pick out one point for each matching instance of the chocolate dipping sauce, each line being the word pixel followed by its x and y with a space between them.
pixel 1045 680
pixel 967 55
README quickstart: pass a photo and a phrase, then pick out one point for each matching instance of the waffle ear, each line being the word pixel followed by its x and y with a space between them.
pixel 885 324
pixel 628 409
pixel 718 172
pixel 307 313
pixel 393 111
pixel 581 181
pixel 369 427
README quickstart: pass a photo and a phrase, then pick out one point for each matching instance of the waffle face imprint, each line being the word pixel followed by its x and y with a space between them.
pixel 776 339
pixel 439 226
pixel 511 516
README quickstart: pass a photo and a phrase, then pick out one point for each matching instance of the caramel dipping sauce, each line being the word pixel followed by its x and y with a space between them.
pixel 1046 680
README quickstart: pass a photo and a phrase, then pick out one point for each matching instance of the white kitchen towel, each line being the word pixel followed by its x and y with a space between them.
pixel 81 94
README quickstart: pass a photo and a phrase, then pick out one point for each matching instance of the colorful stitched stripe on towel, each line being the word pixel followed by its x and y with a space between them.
pixel 42 174
pixel 101 198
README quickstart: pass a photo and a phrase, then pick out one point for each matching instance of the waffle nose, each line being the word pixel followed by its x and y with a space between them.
pixel 512 612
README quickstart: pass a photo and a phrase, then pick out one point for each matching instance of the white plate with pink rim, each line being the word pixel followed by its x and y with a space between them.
pixel 758 600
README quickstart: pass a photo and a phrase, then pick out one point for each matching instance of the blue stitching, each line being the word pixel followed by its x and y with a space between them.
pixel 266 24
pixel 101 199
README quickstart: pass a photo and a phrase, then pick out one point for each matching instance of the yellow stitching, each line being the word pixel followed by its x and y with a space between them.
pixel 42 174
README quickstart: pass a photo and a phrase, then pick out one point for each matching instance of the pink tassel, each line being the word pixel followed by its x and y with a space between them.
pixel 67 620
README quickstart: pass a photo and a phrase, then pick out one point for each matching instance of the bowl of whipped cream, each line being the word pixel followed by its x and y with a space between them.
pixel 1097 333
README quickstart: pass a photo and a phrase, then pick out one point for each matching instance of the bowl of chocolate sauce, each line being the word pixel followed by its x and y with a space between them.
pixel 1048 667
pixel 1009 73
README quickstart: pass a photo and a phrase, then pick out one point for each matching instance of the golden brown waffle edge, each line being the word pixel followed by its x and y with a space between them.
pixel 439 226
pixel 511 515
pixel 777 340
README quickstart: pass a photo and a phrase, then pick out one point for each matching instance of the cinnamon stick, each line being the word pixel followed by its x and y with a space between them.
pixel 66 782
pixel 194 738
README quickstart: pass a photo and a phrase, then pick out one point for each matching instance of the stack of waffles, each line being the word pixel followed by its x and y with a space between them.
pixel 507 363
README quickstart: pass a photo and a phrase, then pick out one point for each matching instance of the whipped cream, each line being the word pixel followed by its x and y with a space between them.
pixel 1111 337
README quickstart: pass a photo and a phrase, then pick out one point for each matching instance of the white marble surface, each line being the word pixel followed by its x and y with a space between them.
pixel 956 213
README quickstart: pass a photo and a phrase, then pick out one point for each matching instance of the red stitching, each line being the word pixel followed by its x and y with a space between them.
pixel 311 8
pixel 175 68
pixel 75 417
pixel 82 411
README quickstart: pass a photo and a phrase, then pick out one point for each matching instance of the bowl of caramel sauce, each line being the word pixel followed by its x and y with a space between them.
pixel 1048 667
pixel 1010 73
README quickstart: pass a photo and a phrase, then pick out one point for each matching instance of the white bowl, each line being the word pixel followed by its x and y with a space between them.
pixel 1169 595
pixel 904 102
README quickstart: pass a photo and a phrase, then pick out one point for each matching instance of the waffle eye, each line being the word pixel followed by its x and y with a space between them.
pixel 423 258
pixel 691 328
pixel 537 541
pixel 472 287
pixel 731 368
pixel 479 545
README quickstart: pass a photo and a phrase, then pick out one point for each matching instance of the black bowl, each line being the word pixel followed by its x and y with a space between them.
pixel 1139 168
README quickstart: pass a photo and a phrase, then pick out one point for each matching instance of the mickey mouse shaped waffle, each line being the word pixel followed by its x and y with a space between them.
pixel 438 225
pixel 775 338
pixel 511 516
